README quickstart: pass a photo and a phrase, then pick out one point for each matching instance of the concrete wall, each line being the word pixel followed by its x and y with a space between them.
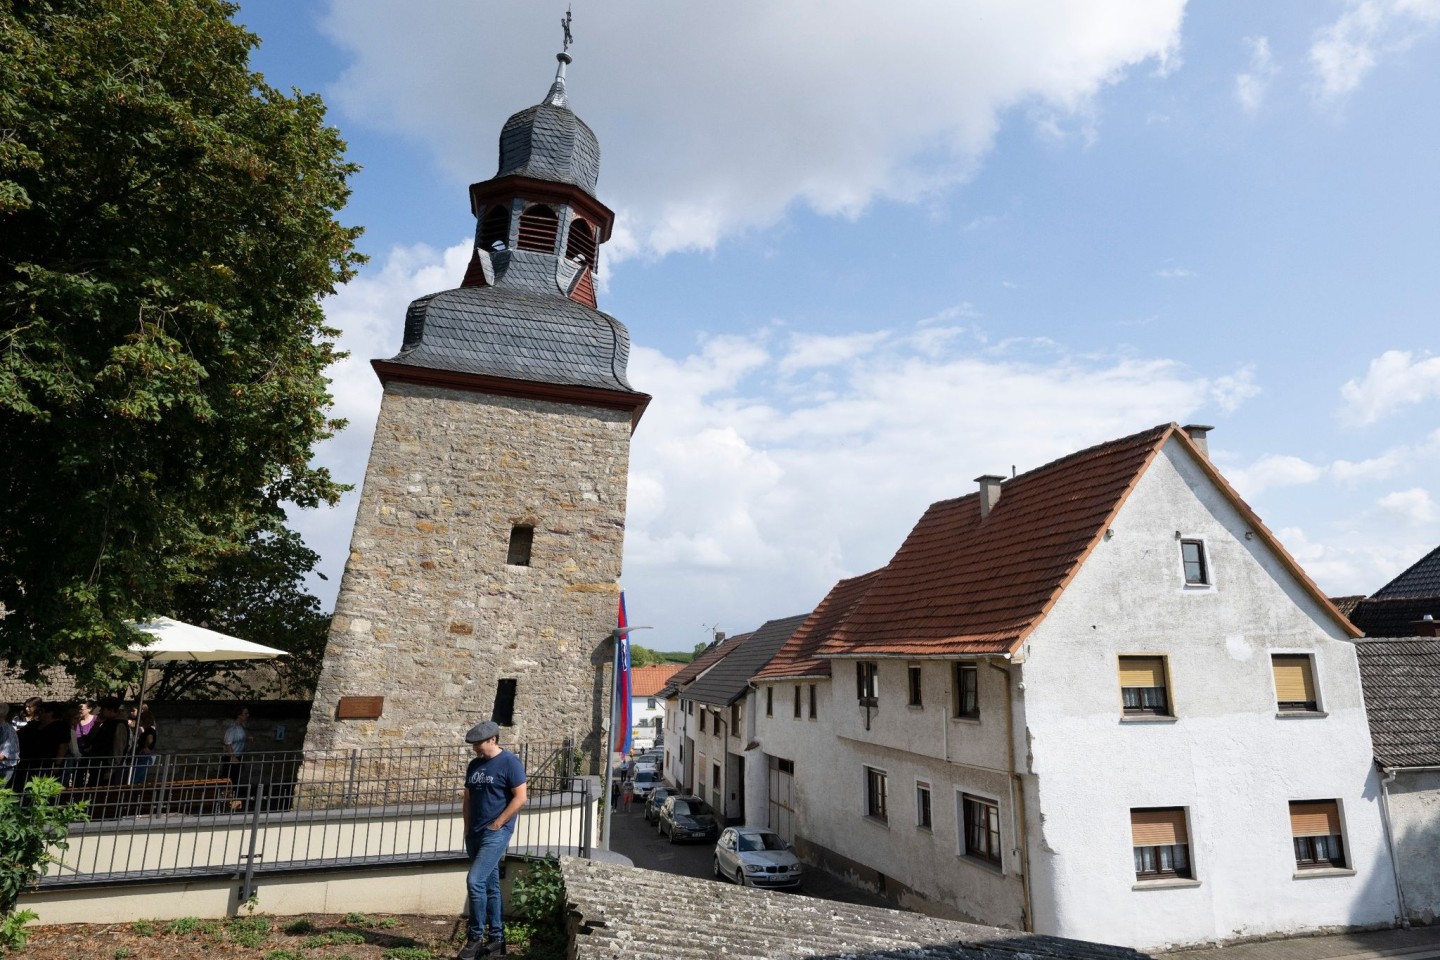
pixel 1225 756
pixel 431 616
pixel 1415 822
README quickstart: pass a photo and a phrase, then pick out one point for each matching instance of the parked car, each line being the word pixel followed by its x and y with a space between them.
pixel 685 817
pixel 643 765
pixel 655 801
pixel 644 784
pixel 756 857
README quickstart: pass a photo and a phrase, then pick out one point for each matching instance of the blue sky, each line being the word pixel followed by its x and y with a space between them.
pixel 865 256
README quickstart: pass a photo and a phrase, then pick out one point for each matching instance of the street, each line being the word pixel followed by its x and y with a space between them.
pixel 637 839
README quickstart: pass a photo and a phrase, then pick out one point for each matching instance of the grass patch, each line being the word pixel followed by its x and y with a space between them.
pixel 283 955
pixel 248 931
pixel 143 928
pixel 182 926
pixel 334 938
pixel 408 953
pixel 121 953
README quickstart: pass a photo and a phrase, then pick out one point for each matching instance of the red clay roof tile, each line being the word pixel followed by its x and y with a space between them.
pixel 648 681
pixel 797 658
pixel 959 586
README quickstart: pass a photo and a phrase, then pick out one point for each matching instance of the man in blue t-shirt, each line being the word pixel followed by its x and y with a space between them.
pixel 494 793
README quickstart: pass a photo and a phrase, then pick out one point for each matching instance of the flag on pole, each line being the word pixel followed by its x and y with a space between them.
pixel 622 683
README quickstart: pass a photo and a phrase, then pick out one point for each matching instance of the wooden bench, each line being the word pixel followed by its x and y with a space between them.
pixel 194 797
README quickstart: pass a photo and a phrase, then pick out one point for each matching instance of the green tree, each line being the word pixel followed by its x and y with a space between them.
pixel 167 228
pixel 255 593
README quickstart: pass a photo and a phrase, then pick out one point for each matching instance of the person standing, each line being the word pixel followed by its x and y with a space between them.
pixel 9 746
pixel 234 740
pixel 145 735
pixel 109 741
pixel 495 791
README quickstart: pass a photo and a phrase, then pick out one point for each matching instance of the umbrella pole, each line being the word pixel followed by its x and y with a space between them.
pixel 139 705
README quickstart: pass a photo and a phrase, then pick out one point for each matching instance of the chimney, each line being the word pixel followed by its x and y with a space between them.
pixel 989 493
pixel 1196 432
pixel 1427 626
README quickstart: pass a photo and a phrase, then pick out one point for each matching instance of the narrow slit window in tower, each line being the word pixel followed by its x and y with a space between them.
pixel 504 712
pixel 522 536
pixel 538 227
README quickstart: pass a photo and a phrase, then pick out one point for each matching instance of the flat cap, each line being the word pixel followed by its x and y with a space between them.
pixel 482 732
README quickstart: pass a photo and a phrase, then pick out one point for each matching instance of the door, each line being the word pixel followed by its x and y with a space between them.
pixel 782 798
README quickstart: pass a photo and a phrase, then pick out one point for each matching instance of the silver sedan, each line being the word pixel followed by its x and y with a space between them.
pixel 756 857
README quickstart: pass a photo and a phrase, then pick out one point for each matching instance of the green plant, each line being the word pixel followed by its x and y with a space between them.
pixel 283 955
pixel 355 919
pixel 121 953
pixel 181 926
pixel 333 938
pixel 408 953
pixel 539 898
pixel 248 931
pixel 143 928
pixel 299 925
pixel 29 831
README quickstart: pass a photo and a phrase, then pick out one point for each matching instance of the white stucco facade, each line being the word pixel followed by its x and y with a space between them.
pixel 1228 757
pixel 647 714
pixel 1064 766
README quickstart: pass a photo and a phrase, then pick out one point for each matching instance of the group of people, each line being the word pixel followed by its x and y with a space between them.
pixel 84 744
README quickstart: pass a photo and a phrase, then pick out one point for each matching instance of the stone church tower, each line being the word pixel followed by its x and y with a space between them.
pixel 483 570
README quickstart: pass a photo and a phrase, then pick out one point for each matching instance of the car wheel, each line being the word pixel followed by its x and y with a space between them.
pixel 718 873
pixel 743 880
pixel 672 834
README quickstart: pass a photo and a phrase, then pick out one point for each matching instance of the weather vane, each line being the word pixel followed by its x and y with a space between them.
pixel 565 25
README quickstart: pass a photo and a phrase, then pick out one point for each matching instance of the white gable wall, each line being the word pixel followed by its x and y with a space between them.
pixel 1226 757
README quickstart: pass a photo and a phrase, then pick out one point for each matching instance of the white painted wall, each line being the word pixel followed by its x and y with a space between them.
pixel 1415 822
pixel 1226 757
pixel 909 744
pixel 644 711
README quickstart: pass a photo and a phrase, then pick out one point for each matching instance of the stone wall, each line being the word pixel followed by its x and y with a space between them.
pixel 431 616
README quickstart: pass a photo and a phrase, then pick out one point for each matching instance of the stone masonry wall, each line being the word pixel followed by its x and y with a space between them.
pixel 430 615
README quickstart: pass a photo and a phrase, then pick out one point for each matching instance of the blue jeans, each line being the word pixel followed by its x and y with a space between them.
pixel 486 848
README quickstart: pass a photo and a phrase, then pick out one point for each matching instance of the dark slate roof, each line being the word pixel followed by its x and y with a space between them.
pixel 730 679
pixel 505 332
pixel 612 910
pixel 706 659
pixel 1347 605
pixel 1421 580
pixel 1394 618
pixel 1401 680
pixel 549 142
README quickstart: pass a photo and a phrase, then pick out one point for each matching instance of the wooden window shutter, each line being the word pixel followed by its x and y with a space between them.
pixel 1142 671
pixel 1294 681
pixel 1315 818
pixel 1158 827
pixel 538 228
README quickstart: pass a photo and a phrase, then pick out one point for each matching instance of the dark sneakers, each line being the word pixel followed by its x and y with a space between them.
pixel 477 949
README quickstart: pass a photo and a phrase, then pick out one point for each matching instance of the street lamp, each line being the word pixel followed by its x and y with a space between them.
pixel 615 636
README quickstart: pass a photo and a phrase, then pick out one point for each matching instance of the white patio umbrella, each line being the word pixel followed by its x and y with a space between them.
pixel 171 641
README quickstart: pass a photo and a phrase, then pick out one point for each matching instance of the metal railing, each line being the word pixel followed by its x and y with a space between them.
pixel 196 815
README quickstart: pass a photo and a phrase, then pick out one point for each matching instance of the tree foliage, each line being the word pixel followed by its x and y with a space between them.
pixel 167 227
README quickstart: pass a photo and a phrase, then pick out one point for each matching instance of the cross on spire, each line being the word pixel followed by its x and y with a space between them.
pixel 565 25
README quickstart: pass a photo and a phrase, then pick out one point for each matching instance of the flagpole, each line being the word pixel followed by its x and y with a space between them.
pixel 616 636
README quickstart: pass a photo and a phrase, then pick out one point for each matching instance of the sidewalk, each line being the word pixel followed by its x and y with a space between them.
pixel 1416 943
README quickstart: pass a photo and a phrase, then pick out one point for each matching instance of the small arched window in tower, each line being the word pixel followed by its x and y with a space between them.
pixel 504 711
pixel 522 537
pixel 538 226
pixel 580 245
pixel 495 229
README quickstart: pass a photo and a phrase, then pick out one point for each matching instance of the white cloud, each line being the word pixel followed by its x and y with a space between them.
pixel 1174 273
pixel 1411 506
pixel 1230 391
pixel 1348 49
pixel 1395 379
pixel 1251 86
pixel 1270 471
pixel 731 113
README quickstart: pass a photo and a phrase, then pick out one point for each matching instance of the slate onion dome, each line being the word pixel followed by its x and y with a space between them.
pixel 525 310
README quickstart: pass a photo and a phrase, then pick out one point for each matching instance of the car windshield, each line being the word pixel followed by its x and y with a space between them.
pixel 691 808
pixel 645 776
pixel 760 841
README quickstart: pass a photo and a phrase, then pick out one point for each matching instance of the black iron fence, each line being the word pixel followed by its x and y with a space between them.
pixel 195 815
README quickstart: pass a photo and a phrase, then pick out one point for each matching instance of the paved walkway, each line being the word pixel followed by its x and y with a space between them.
pixel 1416 943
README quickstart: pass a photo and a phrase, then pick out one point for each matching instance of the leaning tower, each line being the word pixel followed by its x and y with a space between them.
pixel 483 568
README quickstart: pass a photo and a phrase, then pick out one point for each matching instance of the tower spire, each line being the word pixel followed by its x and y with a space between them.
pixel 556 96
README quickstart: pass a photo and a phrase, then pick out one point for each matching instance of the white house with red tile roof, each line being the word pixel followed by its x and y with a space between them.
pixel 647 709
pixel 1097 700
